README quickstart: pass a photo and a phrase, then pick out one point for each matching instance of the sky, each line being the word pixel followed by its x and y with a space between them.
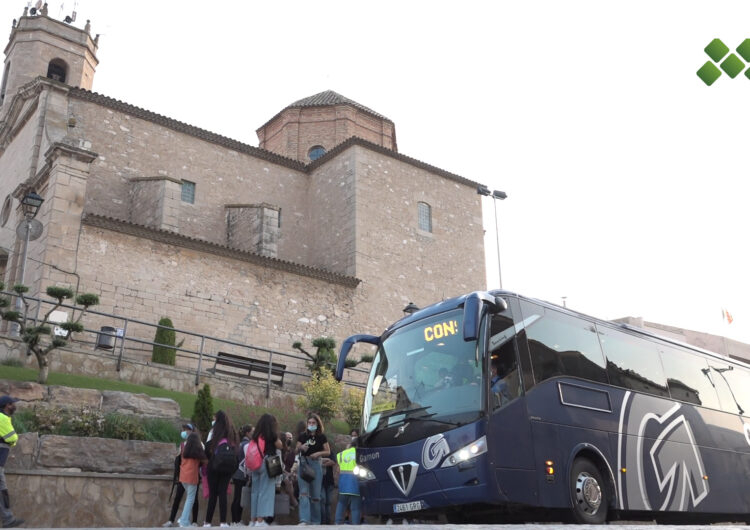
pixel 627 176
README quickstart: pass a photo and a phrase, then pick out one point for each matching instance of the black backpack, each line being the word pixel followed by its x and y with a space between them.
pixel 224 460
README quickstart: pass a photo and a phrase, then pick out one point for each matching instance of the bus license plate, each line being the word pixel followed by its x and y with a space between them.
pixel 407 507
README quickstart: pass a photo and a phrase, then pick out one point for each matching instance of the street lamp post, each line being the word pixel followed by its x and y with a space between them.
pixel 30 206
pixel 496 195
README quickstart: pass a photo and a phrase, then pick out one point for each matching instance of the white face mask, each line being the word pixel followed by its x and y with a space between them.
pixel 212 422
pixel 312 428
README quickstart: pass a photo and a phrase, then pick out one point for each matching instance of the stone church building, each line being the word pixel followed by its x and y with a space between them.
pixel 324 229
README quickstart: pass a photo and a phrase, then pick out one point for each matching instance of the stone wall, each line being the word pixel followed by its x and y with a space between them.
pixel 107 401
pixel 62 481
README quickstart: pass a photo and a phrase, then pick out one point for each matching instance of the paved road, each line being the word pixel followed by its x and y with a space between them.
pixel 531 526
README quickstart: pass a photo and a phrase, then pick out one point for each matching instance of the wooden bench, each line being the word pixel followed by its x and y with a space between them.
pixel 231 364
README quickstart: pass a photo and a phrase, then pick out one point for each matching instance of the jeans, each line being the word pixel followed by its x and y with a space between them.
pixel 191 490
pixel 326 496
pixel 263 494
pixel 179 491
pixel 309 494
pixel 354 503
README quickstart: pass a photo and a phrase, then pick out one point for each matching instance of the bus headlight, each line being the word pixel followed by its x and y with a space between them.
pixel 467 452
pixel 363 474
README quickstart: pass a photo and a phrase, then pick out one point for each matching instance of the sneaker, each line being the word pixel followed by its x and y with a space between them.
pixel 262 523
pixel 223 525
pixel 13 523
pixel 206 525
pixel 168 524
pixel 302 523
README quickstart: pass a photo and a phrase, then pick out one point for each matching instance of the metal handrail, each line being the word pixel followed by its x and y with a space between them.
pixel 201 353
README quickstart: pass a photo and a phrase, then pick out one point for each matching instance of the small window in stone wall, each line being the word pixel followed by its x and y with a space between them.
pixel 188 191
pixel 424 216
pixel 5 214
pixel 316 152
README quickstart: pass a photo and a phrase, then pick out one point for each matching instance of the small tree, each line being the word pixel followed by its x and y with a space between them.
pixel 322 395
pixel 203 410
pixel 325 356
pixel 164 351
pixel 354 400
pixel 38 338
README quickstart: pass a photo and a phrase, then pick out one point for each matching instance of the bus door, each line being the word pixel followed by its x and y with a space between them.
pixel 508 430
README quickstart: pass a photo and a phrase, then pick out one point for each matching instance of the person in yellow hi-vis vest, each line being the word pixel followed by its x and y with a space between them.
pixel 8 439
pixel 348 485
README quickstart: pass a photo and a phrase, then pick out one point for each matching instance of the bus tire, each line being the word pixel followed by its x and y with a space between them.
pixel 588 493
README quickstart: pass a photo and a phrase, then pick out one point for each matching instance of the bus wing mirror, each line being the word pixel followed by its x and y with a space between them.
pixel 347 346
pixel 473 306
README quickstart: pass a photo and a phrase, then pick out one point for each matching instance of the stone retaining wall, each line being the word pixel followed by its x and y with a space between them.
pixel 65 481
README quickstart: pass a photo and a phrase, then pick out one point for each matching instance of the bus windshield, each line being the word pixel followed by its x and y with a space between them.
pixel 424 371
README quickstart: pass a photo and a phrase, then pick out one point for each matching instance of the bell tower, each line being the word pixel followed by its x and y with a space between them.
pixel 42 46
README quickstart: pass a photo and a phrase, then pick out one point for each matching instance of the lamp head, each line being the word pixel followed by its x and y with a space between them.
pixel 483 190
pixel 497 194
pixel 30 204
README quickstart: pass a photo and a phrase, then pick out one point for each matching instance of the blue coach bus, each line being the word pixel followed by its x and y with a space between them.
pixel 493 403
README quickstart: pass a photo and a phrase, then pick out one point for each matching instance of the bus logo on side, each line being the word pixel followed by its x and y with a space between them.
pixel 440 330
pixel 659 444
pixel 435 448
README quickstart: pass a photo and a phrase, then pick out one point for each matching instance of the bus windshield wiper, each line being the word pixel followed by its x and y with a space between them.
pixel 408 417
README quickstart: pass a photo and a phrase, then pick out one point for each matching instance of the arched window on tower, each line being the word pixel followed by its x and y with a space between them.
pixel 57 70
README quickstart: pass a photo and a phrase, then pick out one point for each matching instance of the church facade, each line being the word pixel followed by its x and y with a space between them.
pixel 325 229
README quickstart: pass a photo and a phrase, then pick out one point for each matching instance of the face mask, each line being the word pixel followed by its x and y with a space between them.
pixel 184 435
pixel 212 422
pixel 354 439
pixel 312 428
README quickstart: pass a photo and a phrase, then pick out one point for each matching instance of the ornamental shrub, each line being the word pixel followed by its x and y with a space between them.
pixel 354 400
pixel 164 351
pixel 322 395
pixel 203 410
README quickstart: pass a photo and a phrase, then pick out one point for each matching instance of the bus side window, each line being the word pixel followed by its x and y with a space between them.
pixel 689 377
pixel 632 362
pixel 561 344
pixel 732 385
pixel 505 384
pixel 527 373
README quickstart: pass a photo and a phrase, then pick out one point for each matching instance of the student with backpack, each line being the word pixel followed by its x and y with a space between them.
pixel 192 457
pixel 240 479
pixel 177 487
pixel 222 463
pixel 265 441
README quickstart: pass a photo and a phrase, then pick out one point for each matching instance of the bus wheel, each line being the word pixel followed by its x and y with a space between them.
pixel 588 493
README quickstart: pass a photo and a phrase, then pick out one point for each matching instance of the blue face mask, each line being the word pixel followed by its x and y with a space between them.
pixel 312 428
pixel 184 435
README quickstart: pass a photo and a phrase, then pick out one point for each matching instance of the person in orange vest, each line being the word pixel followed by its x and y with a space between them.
pixel 8 438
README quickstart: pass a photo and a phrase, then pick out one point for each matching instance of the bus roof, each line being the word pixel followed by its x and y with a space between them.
pixel 454 303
